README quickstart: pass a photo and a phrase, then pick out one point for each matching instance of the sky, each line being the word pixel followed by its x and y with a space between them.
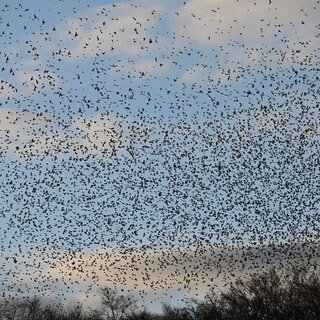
pixel 152 146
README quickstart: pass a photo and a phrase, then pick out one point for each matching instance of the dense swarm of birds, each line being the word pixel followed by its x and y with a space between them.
pixel 156 147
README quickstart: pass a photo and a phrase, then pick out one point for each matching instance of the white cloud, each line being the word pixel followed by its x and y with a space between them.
pixel 97 135
pixel 7 89
pixel 184 272
pixel 194 74
pixel 210 23
pixel 27 83
pixel 151 67
pixel 36 82
pixel 40 80
pixel 123 29
pixel 27 135
pixel 149 274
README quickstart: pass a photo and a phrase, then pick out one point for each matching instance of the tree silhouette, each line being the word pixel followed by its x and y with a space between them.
pixel 258 298
pixel 268 297
pixel 302 299
pixel 75 312
pixel 93 314
pixel 143 315
pixel 116 306
pixel 208 309
pixel 175 313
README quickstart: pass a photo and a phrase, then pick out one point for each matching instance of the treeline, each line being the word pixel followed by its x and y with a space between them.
pixel 295 296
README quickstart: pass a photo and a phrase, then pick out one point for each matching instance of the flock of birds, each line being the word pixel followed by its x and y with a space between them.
pixel 156 149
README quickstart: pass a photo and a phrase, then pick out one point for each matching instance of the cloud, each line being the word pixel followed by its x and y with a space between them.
pixel 7 89
pixel 28 135
pixel 121 29
pixel 99 135
pixel 195 74
pixel 180 272
pixel 27 83
pixel 151 67
pixel 210 23
pixel 36 81
pixel 151 275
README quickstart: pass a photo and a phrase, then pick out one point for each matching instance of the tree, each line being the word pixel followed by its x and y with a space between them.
pixel 116 306
pixel 302 299
pixel 16 309
pixel 75 312
pixel 209 309
pixel 51 313
pixel 142 315
pixel 175 313
pixel 269 297
pixel 93 314
pixel 34 310
pixel 258 298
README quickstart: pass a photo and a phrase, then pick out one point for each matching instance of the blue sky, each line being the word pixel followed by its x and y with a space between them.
pixel 154 126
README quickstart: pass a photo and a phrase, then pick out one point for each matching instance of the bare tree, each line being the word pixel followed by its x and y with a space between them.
pixel 13 310
pixel 33 306
pixel 208 309
pixel 269 297
pixel 258 298
pixel 51 313
pixel 116 306
pixel 75 312
pixel 175 313
pixel 94 314
pixel 143 315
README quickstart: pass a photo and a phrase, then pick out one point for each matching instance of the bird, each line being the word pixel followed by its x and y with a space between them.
pixel 155 148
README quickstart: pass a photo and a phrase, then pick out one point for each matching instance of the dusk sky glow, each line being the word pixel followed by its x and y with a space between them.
pixel 156 146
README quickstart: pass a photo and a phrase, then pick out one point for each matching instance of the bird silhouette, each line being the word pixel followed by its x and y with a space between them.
pixel 156 147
